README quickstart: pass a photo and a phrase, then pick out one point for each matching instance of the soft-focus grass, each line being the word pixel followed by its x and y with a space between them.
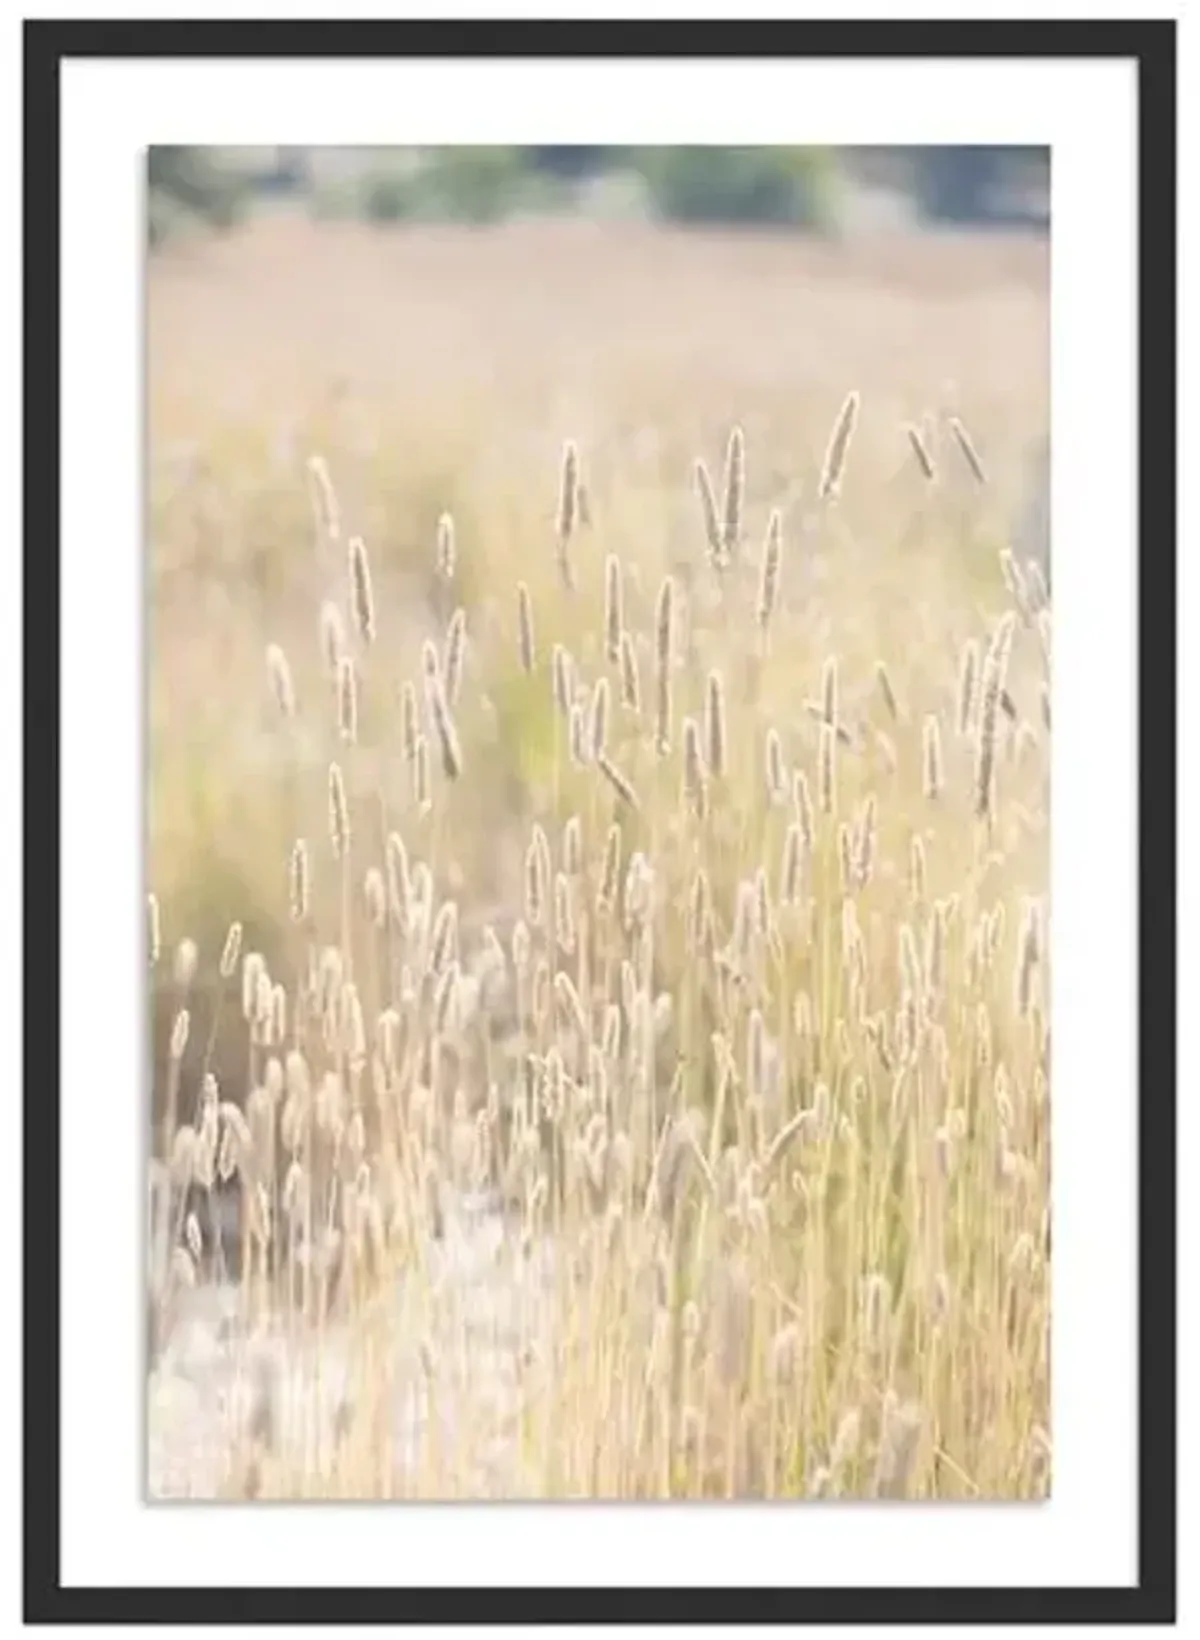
pixel 716 1322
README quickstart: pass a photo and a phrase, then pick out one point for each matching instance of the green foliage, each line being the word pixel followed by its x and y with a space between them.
pixel 190 184
pixel 471 184
pixel 388 196
pixel 454 184
pixel 484 184
pixel 574 161
pixel 747 185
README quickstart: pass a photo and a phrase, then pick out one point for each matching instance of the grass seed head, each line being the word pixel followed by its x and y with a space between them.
pixel 563 679
pixel 153 931
pixel 333 637
pixel 708 509
pixel 610 871
pixel 298 881
pixel 326 512
pixel 886 690
pixel 967 450
pixel 617 780
pixel 279 675
pixel 452 665
pixel 362 598
pixel 446 554
pixel 598 722
pixel 339 813
pixel 694 779
pixel 572 846
pixel 864 844
pixel 231 951
pixel 631 688
pixel 714 726
pixel 614 620
pixel 735 487
pixel 968 671
pixel 768 581
pixel 775 772
pixel 375 897
pixel 399 887
pixel 802 802
pixel 347 699
pixel 568 511
pixel 187 957
pixel 838 449
pixel 827 769
pixel 931 758
pixel 179 1034
pixel 791 865
pixel 526 649
pixel 422 796
pixel 663 656
pixel 449 746
pixel 920 450
pixel 409 722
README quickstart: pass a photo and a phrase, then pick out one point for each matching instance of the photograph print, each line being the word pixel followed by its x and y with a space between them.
pixel 599 633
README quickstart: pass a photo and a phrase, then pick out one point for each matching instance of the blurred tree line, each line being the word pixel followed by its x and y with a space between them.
pixel 798 186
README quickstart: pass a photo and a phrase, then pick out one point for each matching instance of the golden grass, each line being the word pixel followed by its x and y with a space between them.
pixel 583 669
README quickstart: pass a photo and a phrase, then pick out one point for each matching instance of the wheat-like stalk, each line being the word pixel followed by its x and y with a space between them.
pixel 568 509
pixel 185 962
pixel 299 881
pixel 776 775
pixel 525 643
pixel 695 784
pixel 662 666
pixel 931 758
pixel 967 678
pixel 564 688
pixel 827 769
pixel 409 721
pixel 614 619
pixel 324 499
pixel 886 689
pixel 230 951
pixel 610 870
pixel 995 666
pixel 446 552
pixel 834 466
pixel 714 726
pixel 617 781
pixel 967 449
pixel 713 534
pixel 920 450
pixel 279 675
pixel 768 584
pixel 445 733
pixel 153 930
pixel 347 701
pixel 735 487
pixel 362 597
pixel 452 663
pixel 631 686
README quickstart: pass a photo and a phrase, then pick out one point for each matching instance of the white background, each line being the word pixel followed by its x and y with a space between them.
pixel 111 111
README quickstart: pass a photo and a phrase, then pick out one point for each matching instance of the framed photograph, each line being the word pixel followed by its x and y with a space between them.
pixel 609 593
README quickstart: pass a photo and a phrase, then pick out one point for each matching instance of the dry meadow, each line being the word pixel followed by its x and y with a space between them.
pixel 597 854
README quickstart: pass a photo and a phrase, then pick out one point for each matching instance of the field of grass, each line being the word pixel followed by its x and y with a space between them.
pixel 598 807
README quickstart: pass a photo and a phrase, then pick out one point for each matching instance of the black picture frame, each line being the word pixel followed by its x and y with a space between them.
pixel 1152 46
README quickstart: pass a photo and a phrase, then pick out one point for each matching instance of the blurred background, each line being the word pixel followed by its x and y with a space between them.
pixel 830 190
